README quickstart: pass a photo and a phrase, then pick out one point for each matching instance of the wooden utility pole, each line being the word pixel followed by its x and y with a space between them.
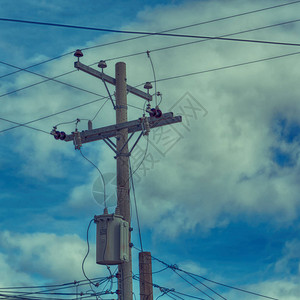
pixel 145 268
pixel 122 157
pixel 120 131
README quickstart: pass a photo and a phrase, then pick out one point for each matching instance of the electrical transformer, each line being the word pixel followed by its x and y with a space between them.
pixel 112 240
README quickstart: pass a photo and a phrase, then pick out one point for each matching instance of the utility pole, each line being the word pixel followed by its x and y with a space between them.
pixel 145 269
pixel 120 131
pixel 123 200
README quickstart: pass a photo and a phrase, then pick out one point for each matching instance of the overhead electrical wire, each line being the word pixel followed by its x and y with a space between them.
pixel 51 286
pixel 178 76
pixel 162 79
pixel 204 40
pixel 228 286
pixel 192 275
pixel 130 55
pixel 228 67
pixel 54 114
pixel 194 286
pixel 47 79
pixel 49 289
pixel 175 267
pixel 169 30
pixel 57 113
pixel 153 33
pixel 37 64
pixel 19 125
pixel 154 75
pixel 102 177
pixel 165 290
pixel 88 249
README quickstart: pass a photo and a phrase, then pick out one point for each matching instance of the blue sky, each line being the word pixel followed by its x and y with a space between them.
pixel 218 195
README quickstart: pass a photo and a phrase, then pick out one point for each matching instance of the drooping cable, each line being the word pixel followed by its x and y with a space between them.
pixel 153 70
pixel 135 204
pixel 102 177
pixel 144 157
pixel 87 253
pixel 64 123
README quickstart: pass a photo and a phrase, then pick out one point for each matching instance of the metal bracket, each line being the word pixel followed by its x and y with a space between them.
pixel 121 106
pixel 113 146
pixel 110 144
pixel 110 97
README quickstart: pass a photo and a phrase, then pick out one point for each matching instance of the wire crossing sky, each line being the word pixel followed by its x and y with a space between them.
pixel 154 33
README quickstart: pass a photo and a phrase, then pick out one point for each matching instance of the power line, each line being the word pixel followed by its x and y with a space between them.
pixel 35 84
pixel 202 284
pixel 19 124
pixel 194 285
pixel 47 79
pixel 175 267
pixel 204 40
pixel 104 191
pixel 131 55
pixel 228 286
pixel 154 33
pixel 166 290
pixel 87 241
pixel 54 114
pixel 49 289
pixel 177 28
pixel 64 285
pixel 57 113
pixel 162 79
pixel 227 67
pixel 37 64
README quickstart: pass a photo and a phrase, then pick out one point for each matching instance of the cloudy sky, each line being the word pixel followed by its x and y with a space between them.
pixel 217 195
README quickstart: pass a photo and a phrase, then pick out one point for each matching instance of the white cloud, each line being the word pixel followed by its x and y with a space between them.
pixel 12 276
pixel 290 262
pixel 47 255
pixel 223 167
